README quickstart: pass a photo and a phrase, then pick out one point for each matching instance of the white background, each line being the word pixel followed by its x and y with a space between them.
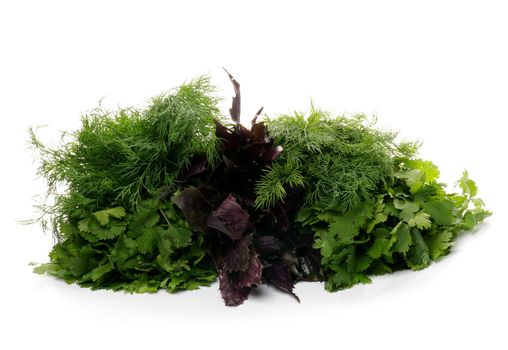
pixel 435 70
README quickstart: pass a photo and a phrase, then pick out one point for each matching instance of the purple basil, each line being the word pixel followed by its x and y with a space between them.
pixel 249 246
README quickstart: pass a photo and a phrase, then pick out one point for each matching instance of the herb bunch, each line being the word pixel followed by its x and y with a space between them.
pixel 112 229
pixel 121 158
pixel 341 160
pixel 172 196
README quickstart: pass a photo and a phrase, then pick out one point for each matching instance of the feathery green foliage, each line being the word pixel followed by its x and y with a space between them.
pixel 341 161
pixel 120 158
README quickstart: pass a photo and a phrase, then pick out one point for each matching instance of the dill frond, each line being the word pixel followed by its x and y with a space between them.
pixel 341 160
pixel 122 157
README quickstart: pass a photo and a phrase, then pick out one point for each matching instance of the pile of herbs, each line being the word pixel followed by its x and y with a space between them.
pixel 174 195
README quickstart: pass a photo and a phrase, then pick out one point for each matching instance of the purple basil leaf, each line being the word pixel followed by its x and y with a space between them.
pixel 279 276
pixel 258 113
pixel 221 131
pixel 243 132
pixel 215 223
pixel 258 133
pixel 230 140
pixel 260 151
pixel 253 273
pixel 232 293
pixel 267 244
pixel 230 219
pixel 237 257
pixel 234 111
pixel 196 168
pixel 194 206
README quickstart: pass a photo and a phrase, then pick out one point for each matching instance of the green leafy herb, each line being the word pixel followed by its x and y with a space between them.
pixel 144 250
pixel 341 161
pixel 171 197
pixel 120 158
pixel 413 223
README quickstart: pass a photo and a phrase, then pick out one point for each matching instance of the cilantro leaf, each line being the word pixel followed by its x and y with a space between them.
pixel 100 271
pixel 345 227
pixel 103 216
pixel 407 209
pixel 147 241
pixel 421 220
pixel 418 255
pixel 467 185
pixel 414 178
pixel 441 210
pixel 381 244
pixel 403 238
pixel 440 243
pixel 430 170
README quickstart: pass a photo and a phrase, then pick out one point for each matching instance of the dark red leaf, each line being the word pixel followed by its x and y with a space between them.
pixel 221 131
pixel 234 111
pixel 232 293
pixel 232 140
pixel 243 133
pixel 230 219
pixel 279 276
pixel 260 152
pixel 237 257
pixel 215 223
pixel 253 274
pixel 196 168
pixel 258 113
pixel 258 133
pixel 267 244
pixel 194 206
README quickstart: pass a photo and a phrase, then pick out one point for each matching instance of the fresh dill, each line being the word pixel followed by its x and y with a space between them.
pixel 125 156
pixel 340 160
